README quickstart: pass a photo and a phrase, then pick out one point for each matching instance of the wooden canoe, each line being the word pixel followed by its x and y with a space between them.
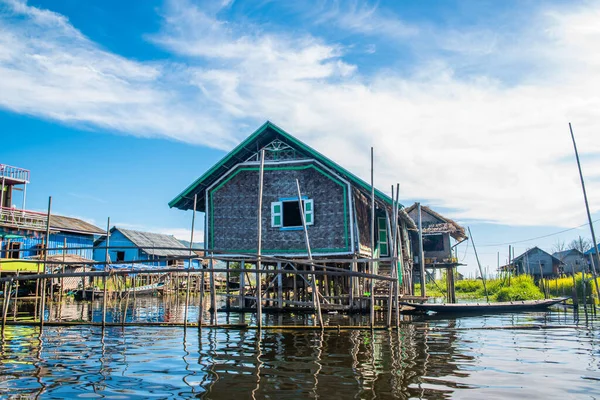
pixel 508 306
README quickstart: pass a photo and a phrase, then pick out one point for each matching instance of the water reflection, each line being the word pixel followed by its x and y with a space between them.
pixel 430 358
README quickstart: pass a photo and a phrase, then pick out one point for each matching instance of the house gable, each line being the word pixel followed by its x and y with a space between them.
pixel 268 136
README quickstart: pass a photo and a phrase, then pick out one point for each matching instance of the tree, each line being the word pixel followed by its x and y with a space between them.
pixel 581 244
pixel 558 247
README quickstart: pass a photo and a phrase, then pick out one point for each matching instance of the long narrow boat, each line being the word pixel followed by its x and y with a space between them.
pixel 508 306
pixel 139 291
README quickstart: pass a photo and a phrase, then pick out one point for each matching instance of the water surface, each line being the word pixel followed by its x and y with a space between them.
pixel 431 358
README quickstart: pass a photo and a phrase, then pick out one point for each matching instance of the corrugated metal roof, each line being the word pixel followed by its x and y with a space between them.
pixel 70 224
pixel 147 241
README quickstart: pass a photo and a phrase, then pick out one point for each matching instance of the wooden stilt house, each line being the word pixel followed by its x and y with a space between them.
pixel 336 205
pixel 440 236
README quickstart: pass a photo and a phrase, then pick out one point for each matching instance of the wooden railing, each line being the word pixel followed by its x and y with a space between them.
pixel 22 219
pixel 15 173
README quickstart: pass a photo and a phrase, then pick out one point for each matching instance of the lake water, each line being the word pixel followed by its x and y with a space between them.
pixel 429 358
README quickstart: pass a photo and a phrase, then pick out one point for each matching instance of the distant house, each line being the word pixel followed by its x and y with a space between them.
pixel 23 232
pixel 437 234
pixel 129 246
pixel 536 261
pixel 573 261
pixel 65 233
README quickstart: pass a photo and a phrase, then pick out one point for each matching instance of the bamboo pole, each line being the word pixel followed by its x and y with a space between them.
pixel 391 284
pixel 259 244
pixel 479 264
pixel 62 281
pixel 398 255
pixel 43 289
pixel 372 263
pixel 7 286
pixel 187 292
pixel 279 286
pixel 421 252
pixel 107 258
pixel 16 299
pixel 315 294
pixel 587 208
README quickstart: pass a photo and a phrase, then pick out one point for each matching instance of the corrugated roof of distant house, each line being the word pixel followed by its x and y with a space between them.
pixel 70 224
pixel 561 254
pixel 537 249
pixel 593 250
pixel 147 241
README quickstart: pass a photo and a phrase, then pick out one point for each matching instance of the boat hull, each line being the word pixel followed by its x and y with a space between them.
pixel 509 306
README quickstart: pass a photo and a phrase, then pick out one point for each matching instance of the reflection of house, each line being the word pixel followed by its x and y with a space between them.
pixel 536 262
pixel 573 260
pixel 127 245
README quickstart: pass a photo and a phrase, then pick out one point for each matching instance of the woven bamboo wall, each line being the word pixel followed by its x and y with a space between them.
pixel 233 213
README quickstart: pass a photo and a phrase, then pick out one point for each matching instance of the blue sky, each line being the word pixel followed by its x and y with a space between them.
pixel 117 106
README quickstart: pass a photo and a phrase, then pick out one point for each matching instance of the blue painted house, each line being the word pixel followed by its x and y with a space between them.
pixel 129 246
pixel 68 235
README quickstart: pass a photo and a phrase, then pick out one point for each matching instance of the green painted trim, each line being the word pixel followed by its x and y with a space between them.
pixel 318 156
pixel 288 168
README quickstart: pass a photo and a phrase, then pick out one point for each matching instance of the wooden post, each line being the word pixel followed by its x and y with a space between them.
pixel 587 208
pixel 43 289
pixel 479 264
pixel 421 252
pixel 315 294
pixel 227 277
pixel 62 280
pixel 16 299
pixel 353 282
pixel 372 263
pixel 5 303
pixel 542 280
pixel 575 297
pixel 107 260
pixel 259 244
pixel 279 286
pixel 242 292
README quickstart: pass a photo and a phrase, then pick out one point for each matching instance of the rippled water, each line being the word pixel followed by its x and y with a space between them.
pixel 427 358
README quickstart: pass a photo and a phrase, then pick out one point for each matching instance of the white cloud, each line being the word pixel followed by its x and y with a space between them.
pixel 492 149
pixel 49 69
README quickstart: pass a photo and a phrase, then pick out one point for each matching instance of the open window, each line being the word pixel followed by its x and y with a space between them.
pixel 433 243
pixel 120 256
pixel 14 250
pixel 286 213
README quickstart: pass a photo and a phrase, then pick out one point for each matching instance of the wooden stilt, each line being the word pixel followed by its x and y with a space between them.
pixel 43 289
pixel 259 244
pixel 279 287
pixel 106 268
pixel 188 282
pixel 372 263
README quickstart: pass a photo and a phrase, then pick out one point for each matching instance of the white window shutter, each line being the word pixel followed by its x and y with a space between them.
pixel 309 212
pixel 276 214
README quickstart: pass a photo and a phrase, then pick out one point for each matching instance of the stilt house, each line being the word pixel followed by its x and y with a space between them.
pixel 23 232
pixel 440 236
pixel 336 206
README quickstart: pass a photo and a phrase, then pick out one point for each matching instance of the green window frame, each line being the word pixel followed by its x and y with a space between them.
pixel 382 237
pixel 277 212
